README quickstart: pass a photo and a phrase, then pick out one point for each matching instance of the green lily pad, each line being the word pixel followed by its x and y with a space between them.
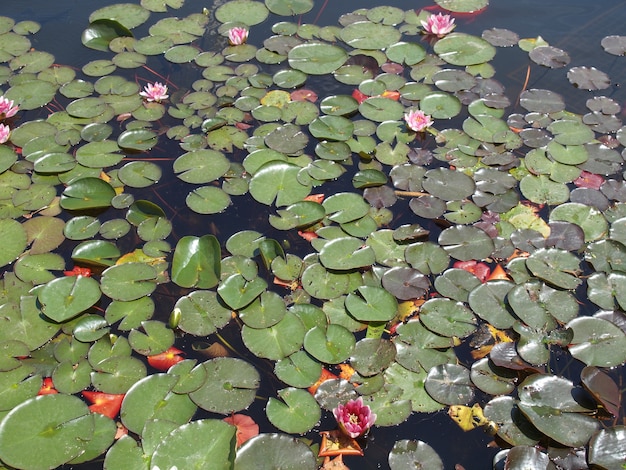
pixel 128 281
pixel 466 243
pixel 557 267
pixel 332 128
pixel 153 398
pixel 208 200
pixel 277 341
pixel 65 297
pixel 298 370
pixel 137 139
pixel 606 448
pixel 196 262
pixel 139 174
pixel 193 444
pixel 297 413
pixel 331 345
pixel 317 58
pixel 101 32
pixel 153 338
pixel 87 193
pixel 371 304
pixel 290 7
pixel 464 49
pixel 15 237
pixel 488 302
pixel 450 384
pixel 597 342
pixel 406 453
pixel 128 14
pixel 447 318
pixel 201 166
pixel 247 12
pixel 275 451
pixel 60 425
pixel 379 109
pixel 231 386
pixel 369 35
pixel 237 291
pixel 277 182
pixel 346 253
pixel 201 313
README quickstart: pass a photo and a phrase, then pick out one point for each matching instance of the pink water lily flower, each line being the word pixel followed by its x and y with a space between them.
pixel 439 25
pixel 5 132
pixel 237 36
pixel 354 418
pixel 6 108
pixel 418 120
pixel 156 92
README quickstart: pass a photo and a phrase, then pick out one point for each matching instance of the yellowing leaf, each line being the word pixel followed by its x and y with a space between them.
pixel 468 418
pixel 138 256
pixel 278 98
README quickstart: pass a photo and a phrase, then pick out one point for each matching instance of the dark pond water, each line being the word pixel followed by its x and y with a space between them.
pixel 577 26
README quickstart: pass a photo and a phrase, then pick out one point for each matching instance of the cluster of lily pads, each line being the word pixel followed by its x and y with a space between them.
pixel 498 231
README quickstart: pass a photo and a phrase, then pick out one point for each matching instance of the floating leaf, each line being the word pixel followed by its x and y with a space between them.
pixel 63 434
pixel 297 413
pixel 317 58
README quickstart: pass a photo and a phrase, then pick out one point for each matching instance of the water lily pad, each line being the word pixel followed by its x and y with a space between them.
pixel 297 413
pixel 128 281
pixel 606 448
pixel 450 384
pixel 96 252
pixel 298 370
pixel 317 58
pixel 588 78
pixel 208 200
pixel 275 451
pixel 16 240
pixel 464 49
pixel 466 242
pixel 196 262
pixel 156 390
pixel 379 109
pixel 247 12
pixel 462 6
pixel 277 341
pixel 129 15
pixel 557 267
pixel 278 182
pixel 195 443
pixel 332 128
pixel 369 35
pixel 331 345
pixel 371 304
pixel 597 342
pixel 552 410
pixel 201 313
pixel 345 254
pixel 101 32
pixel 63 434
pixel 488 302
pixel 87 193
pixel 137 139
pixel 447 317
pixel 592 222
pixel 406 453
pixel 289 8
pixel 59 298
pixel 231 386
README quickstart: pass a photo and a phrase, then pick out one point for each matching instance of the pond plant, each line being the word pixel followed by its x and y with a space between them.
pixel 473 262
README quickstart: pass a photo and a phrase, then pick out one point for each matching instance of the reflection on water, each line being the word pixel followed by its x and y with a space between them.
pixel 575 26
